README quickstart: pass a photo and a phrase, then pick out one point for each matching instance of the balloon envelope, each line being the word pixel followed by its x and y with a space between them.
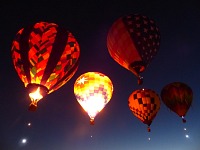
pixel 45 57
pixel 133 41
pixel 93 90
pixel 177 96
pixel 144 104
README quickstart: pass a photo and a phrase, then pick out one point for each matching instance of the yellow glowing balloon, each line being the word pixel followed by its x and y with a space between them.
pixel 93 90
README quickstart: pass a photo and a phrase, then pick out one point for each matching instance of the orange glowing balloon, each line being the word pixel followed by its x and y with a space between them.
pixel 133 41
pixel 144 104
pixel 93 90
pixel 45 57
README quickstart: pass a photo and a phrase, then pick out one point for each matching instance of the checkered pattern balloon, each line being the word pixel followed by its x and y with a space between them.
pixel 93 90
pixel 144 104
pixel 133 41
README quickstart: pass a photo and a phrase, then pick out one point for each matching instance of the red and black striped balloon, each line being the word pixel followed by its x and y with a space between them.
pixel 45 55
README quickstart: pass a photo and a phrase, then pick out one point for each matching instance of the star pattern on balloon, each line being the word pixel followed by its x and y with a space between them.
pixel 133 41
pixel 93 90
pixel 82 80
pixel 145 33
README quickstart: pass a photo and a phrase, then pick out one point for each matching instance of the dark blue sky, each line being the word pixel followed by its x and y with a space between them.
pixel 60 123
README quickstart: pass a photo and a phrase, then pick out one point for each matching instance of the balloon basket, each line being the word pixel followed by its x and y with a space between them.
pixel 184 121
pixel 148 129
pixel 91 121
pixel 140 81
pixel 32 107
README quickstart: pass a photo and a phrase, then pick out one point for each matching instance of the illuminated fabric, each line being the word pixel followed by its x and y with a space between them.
pixel 46 55
pixel 177 97
pixel 133 41
pixel 144 104
pixel 93 90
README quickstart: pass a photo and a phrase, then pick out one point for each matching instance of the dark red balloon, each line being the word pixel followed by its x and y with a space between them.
pixel 177 96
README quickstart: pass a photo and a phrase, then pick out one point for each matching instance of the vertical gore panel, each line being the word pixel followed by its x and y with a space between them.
pixel 57 50
pixel 24 49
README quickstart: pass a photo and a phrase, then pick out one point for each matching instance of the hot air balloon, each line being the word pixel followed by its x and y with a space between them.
pixel 144 104
pixel 177 96
pixel 45 57
pixel 93 90
pixel 133 41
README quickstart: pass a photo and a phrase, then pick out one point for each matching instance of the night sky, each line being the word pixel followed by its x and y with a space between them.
pixel 59 122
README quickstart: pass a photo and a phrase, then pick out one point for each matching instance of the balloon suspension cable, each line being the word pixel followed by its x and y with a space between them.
pixel 92 121
pixel 148 129
pixel 183 119
pixel 140 80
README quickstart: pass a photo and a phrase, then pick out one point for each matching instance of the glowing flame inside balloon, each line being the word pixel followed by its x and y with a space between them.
pixel 35 97
pixel 93 105
pixel 93 90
